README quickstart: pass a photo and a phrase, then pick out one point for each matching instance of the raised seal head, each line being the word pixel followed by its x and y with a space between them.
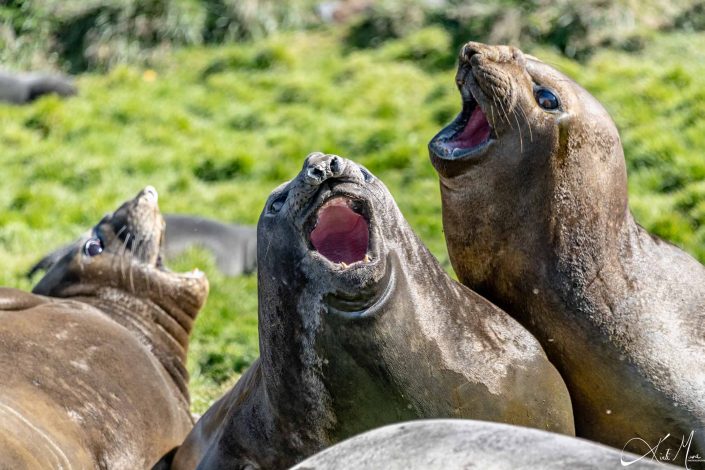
pixel 530 153
pixel 123 251
pixel 534 192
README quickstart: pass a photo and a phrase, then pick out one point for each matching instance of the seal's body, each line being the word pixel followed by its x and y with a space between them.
pixel 459 443
pixel 361 327
pixel 20 88
pixel 94 375
pixel 533 183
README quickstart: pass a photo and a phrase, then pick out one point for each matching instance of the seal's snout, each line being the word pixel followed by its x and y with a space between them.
pixel 339 227
pixel 470 50
pixel 319 167
pixel 473 54
pixel 150 194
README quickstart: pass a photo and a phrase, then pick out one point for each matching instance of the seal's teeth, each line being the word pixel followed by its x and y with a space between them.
pixel 367 259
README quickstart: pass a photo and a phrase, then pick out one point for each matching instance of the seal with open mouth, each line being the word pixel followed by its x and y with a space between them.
pixel 93 376
pixel 360 327
pixel 534 191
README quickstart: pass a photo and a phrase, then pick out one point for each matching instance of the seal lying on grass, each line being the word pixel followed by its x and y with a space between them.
pixel 460 444
pixel 360 327
pixel 535 213
pixel 20 88
pixel 96 378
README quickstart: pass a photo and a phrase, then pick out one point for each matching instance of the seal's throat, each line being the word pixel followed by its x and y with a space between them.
pixel 341 233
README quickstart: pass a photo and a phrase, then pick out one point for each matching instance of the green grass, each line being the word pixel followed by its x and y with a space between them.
pixel 216 129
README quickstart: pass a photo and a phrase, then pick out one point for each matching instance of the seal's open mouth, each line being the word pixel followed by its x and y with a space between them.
pixel 341 233
pixel 467 134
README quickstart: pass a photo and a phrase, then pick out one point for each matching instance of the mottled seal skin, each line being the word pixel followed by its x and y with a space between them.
pixel 233 246
pixel 93 368
pixel 536 220
pixel 20 88
pixel 349 347
pixel 460 444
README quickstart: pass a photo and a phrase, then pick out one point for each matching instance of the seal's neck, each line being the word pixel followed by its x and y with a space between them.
pixel 542 241
pixel 164 326
pixel 161 313
pixel 298 402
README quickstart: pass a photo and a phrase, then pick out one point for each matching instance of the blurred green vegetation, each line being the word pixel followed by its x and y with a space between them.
pixel 216 128
pixel 79 35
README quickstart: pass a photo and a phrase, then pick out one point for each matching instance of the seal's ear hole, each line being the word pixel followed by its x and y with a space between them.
pixel 547 99
pixel 278 202
pixel 93 247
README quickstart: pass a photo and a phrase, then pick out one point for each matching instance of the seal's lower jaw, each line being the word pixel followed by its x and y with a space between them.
pixel 369 302
pixel 467 137
pixel 342 231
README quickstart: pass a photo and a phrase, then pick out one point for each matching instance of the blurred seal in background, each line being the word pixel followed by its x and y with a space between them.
pixel 20 88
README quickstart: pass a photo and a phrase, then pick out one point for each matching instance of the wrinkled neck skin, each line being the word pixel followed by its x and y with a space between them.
pixel 157 306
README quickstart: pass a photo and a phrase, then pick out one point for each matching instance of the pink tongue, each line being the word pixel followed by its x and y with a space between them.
pixel 476 131
pixel 341 235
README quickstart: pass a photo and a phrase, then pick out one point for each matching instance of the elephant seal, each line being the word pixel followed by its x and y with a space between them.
pixel 360 327
pixel 20 88
pixel 234 247
pixel 94 376
pixel 461 443
pixel 534 192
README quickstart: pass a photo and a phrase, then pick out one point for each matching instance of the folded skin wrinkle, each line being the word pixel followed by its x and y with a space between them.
pixel 341 234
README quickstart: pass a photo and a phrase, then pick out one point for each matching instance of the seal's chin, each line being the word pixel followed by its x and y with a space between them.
pixel 368 302
pixel 467 136
pixel 342 231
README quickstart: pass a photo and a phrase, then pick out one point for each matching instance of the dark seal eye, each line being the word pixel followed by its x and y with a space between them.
pixel 547 99
pixel 277 204
pixel 93 247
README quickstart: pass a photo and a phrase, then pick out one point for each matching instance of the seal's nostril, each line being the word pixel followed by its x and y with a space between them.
pixel 334 165
pixel 469 50
pixel 366 174
pixel 316 173
pixel 151 193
